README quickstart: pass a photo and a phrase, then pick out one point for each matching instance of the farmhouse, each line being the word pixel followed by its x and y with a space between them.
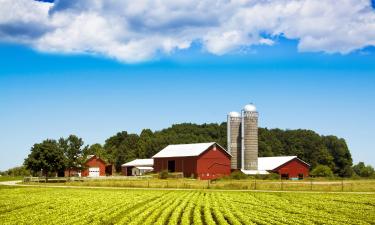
pixel 137 167
pixel 289 167
pixel 201 160
pixel 93 167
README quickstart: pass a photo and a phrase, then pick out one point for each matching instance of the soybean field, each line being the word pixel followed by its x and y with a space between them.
pixel 38 205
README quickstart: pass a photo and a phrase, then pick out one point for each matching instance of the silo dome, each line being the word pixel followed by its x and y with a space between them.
pixel 234 114
pixel 250 108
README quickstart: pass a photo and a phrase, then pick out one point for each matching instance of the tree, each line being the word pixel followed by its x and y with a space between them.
pixel 45 157
pixel 96 149
pixel 17 171
pixel 321 171
pixel 341 155
pixel 363 171
pixel 306 144
pixel 72 148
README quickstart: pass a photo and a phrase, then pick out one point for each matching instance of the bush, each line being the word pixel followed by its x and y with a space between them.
pixel 238 175
pixel 321 171
pixel 271 176
pixel 18 171
pixel 164 174
pixel 364 171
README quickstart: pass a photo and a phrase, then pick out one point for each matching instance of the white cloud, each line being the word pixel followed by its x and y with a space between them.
pixel 133 31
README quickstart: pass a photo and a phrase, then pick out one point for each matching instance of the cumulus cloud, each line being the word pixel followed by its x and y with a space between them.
pixel 133 31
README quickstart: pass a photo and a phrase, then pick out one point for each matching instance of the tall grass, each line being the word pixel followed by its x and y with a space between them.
pixel 229 184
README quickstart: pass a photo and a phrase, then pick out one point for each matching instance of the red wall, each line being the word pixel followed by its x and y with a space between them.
pixel 186 165
pixel 94 162
pixel 213 163
pixel 209 165
pixel 293 168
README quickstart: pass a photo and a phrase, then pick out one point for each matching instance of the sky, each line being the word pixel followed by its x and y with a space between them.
pixel 94 68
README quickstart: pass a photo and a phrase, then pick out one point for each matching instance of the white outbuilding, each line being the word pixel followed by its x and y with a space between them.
pixel 137 167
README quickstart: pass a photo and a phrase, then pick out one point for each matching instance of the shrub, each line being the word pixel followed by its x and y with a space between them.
pixel 238 175
pixel 364 171
pixel 321 171
pixel 163 174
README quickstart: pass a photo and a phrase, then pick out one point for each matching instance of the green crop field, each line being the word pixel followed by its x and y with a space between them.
pixel 35 205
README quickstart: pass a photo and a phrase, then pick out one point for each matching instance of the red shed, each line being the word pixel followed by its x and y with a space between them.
pixel 201 160
pixel 289 167
pixel 94 167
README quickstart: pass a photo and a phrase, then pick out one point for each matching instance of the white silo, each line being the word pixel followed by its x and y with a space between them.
pixel 234 138
pixel 249 133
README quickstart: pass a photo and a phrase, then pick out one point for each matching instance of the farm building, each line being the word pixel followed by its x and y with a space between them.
pixel 289 167
pixel 242 134
pixel 201 160
pixel 93 167
pixel 137 167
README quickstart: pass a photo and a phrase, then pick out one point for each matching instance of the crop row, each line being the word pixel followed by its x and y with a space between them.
pixel 83 206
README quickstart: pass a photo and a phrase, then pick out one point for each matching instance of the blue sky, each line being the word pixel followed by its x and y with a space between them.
pixel 49 96
pixel 63 71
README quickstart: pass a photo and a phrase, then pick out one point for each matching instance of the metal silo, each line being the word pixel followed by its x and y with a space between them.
pixel 234 138
pixel 249 138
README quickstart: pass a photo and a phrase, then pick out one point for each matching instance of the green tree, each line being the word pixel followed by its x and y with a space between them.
pixel 321 171
pixel 72 148
pixel 46 157
pixel 363 171
pixel 17 171
pixel 96 149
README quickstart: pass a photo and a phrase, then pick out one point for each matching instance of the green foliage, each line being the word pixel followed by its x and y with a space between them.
pixel 96 149
pixel 124 147
pixel 363 171
pixel 88 206
pixel 238 175
pixel 72 149
pixel 270 176
pixel 45 157
pixel 18 171
pixel 164 174
pixel 321 171
pixel 308 146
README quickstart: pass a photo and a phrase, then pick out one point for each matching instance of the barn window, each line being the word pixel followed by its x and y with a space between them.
pixel 300 176
pixel 285 176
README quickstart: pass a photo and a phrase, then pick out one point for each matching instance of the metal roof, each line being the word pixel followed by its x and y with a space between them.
pixel 183 150
pixel 270 163
pixel 255 172
pixel 145 167
pixel 140 162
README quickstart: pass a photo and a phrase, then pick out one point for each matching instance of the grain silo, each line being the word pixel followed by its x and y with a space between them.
pixel 249 133
pixel 234 138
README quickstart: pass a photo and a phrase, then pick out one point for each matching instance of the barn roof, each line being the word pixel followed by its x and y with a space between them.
pixel 271 163
pixel 184 150
pixel 140 162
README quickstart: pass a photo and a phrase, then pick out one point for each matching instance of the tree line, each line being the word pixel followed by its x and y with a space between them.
pixel 70 153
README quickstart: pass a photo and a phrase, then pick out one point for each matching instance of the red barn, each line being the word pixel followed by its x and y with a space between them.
pixel 201 160
pixel 94 167
pixel 289 167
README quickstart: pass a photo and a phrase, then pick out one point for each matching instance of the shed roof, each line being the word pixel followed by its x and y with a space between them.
pixel 145 167
pixel 140 162
pixel 184 150
pixel 271 163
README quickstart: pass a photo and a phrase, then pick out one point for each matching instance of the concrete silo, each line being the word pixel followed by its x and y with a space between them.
pixel 249 131
pixel 234 138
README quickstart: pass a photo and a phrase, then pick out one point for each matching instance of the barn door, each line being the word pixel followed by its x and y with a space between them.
pixel 171 166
